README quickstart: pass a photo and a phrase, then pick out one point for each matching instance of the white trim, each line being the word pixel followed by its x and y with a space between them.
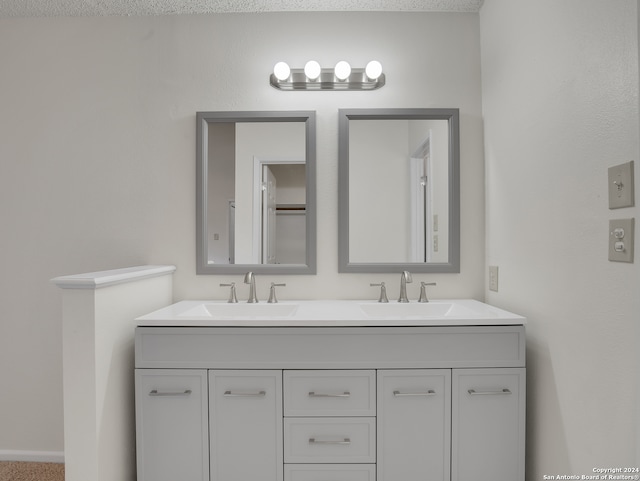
pixel 96 280
pixel 421 204
pixel 32 456
pixel 416 209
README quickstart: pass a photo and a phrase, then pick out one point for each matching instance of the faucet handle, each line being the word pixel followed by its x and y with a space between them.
pixel 423 291
pixel 383 291
pixel 232 294
pixel 272 293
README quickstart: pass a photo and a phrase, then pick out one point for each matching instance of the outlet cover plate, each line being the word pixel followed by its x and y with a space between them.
pixel 621 188
pixel 621 239
pixel 493 278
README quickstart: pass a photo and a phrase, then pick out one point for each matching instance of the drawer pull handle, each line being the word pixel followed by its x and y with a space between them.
pixel 155 393
pixel 342 442
pixel 245 394
pixel 430 392
pixel 473 392
pixel 323 394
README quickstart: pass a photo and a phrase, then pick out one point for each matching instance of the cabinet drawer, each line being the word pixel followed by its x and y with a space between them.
pixel 330 472
pixel 329 393
pixel 330 440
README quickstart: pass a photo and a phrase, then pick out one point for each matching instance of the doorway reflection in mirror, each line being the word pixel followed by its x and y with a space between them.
pixel 256 193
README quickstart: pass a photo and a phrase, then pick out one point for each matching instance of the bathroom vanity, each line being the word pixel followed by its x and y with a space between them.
pixel 330 391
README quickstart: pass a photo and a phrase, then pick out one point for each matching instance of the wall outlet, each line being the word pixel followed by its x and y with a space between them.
pixel 435 243
pixel 493 278
pixel 621 240
pixel 621 186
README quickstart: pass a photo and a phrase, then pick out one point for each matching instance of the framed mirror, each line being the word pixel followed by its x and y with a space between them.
pixel 256 192
pixel 399 190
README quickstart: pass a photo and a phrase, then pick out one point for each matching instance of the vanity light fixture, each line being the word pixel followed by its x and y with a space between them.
pixel 312 70
pixel 342 70
pixel 281 71
pixel 314 77
pixel 373 69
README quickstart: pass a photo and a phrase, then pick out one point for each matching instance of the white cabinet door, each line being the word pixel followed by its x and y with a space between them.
pixel 488 424
pixel 414 420
pixel 246 425
pixel 171 425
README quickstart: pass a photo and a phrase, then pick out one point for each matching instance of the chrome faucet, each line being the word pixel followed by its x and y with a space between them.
pixel 250 278
pixel 404 278
pixel 272 293
pixel 383 292
pixel 423 291
pixel 232 293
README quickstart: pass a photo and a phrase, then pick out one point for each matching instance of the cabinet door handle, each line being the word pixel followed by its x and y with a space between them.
pixel 245 393
pixel 155 393
pixel 342 442
pixel 430 392
pixel 473 392
pixel 323 394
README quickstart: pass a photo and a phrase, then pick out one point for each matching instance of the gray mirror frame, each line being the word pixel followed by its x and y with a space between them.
pixel 453 117
pixel 203 119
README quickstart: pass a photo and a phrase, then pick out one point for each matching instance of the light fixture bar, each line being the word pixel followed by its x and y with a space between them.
pixel 357 80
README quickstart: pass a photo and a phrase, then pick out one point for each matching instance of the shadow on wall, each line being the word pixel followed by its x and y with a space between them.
pixel 543 407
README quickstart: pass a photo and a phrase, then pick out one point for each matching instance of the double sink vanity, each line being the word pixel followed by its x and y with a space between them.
pixel 330 391
pixel 314 390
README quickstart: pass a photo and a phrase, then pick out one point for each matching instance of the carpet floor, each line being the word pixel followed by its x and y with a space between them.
pixel 20 471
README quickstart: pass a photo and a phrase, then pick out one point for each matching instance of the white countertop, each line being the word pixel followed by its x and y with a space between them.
pixel 329 313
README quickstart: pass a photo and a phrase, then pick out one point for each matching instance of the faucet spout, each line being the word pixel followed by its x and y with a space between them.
pixel 405 278
pixel 250 278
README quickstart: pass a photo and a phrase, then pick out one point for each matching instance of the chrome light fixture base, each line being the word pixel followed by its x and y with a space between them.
pixel 327 80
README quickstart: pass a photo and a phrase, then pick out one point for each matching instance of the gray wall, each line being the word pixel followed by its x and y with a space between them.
pixel 97 158
pixel 560 104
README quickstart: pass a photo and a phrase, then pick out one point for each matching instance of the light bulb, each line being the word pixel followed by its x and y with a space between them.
pixel 373 69
pixel 312 70
pixel 281 71
pixel 342 70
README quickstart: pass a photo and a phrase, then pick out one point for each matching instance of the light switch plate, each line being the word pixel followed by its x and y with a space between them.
pixel 621 186
pixel 621 238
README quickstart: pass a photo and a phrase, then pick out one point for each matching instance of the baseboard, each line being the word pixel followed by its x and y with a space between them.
pixel 32 456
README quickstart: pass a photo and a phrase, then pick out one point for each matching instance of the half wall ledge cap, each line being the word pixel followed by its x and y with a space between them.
pixel 96 280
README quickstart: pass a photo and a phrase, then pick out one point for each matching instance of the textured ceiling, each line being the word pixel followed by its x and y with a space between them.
pixel 91 8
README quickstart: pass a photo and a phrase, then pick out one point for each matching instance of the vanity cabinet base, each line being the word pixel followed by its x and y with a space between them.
pixel 411 415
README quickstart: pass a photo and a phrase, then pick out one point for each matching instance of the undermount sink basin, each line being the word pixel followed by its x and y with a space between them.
pixel 327 313
pixel 417 310
pixel 240 310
